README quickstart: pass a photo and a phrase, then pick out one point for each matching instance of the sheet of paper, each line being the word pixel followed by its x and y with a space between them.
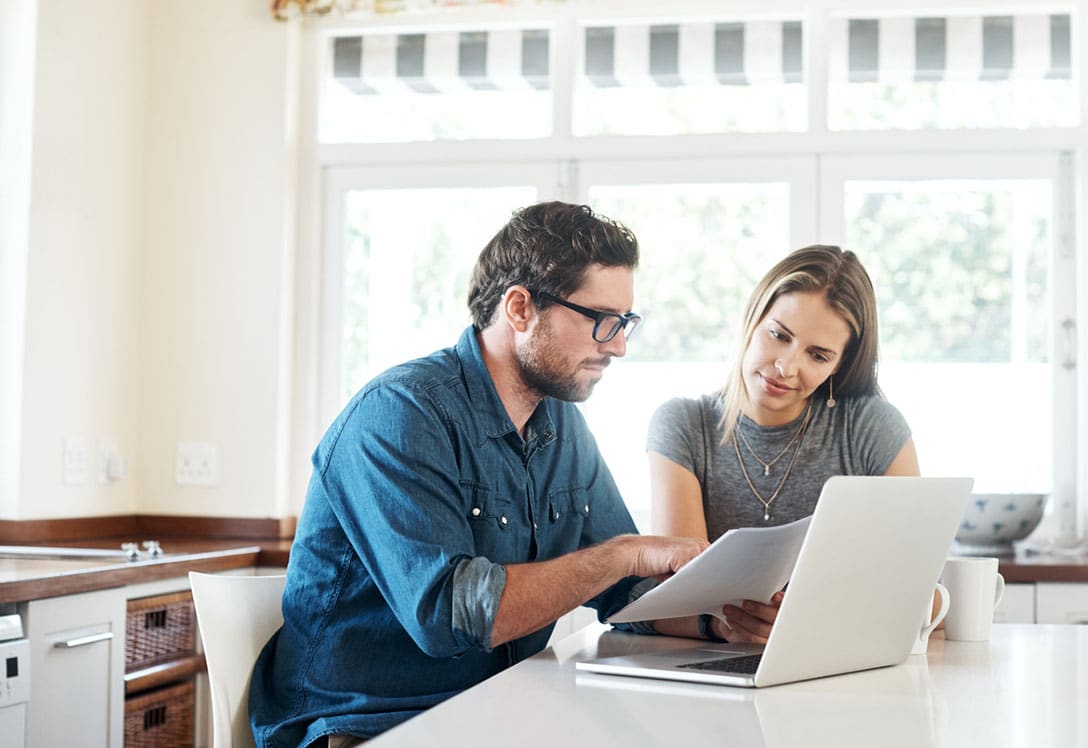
pixel 749 563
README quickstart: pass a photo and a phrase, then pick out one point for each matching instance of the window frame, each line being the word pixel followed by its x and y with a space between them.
pixel 338 182
pixel 326 170
pixel 1050 165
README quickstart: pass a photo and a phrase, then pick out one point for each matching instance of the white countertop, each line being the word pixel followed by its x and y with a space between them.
pixel 1027 687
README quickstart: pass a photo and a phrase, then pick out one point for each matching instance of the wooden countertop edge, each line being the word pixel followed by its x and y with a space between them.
pixel 1043 572
pixel 274 557
pixel 119 575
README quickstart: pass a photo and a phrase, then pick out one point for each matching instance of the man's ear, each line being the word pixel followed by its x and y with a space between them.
pixel 518 308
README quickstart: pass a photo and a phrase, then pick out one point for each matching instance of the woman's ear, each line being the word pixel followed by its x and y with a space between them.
pixel 518 308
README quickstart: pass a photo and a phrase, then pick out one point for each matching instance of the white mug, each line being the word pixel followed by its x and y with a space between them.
pixel 930 621
pixel 976 589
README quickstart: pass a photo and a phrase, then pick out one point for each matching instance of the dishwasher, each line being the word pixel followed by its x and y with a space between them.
pixel 14 681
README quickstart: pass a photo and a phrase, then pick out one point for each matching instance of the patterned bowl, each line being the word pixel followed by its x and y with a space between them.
pixel 994 520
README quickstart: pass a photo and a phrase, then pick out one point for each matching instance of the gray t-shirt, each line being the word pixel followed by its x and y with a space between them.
pixel 859 436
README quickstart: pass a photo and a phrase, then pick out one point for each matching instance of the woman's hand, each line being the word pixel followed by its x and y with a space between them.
pixel 749 623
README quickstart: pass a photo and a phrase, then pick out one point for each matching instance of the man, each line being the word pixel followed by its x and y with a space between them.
pixel 459 504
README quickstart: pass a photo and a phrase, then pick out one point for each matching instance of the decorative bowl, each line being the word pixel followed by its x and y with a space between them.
pixel 994 520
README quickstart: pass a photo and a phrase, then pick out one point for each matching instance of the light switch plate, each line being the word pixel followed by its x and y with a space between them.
pixel 74 461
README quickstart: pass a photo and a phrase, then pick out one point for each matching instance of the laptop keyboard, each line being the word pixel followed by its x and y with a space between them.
pixel 746 664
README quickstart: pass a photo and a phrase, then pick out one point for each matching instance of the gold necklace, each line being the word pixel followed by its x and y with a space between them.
pixel 767 502
pixel 767 465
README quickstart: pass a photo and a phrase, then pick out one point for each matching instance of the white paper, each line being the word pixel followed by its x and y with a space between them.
pixel 748 563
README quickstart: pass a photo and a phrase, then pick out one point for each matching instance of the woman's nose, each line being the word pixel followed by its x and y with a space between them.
pixel 785 365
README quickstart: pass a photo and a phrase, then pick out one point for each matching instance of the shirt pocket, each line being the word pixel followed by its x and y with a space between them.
pixel 568 509
pixel 496 530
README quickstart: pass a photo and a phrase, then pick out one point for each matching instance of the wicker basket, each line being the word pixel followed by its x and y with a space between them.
pixel 158 628
pixel 162 718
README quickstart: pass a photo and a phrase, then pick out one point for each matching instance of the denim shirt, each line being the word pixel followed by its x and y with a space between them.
pixel 422 489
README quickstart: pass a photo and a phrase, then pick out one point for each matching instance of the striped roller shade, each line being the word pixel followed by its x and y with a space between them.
pixel 442 61
pixel 955 48
pixel 694 53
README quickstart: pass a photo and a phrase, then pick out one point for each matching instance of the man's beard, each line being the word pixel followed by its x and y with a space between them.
pixel 541 363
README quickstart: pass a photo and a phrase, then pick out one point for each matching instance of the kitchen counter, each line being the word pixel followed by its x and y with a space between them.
pixel 1026 687
pixel 1043 567
pixel 29 579
pixel 24 579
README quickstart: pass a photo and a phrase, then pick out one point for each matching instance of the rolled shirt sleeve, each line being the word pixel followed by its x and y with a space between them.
pixel 477 588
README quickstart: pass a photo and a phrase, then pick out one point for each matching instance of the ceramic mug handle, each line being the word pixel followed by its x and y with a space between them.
pixel 999 589
pixel 942 591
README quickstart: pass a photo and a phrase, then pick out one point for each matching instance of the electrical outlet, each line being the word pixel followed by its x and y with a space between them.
pixel 74 461
pixel 196 464
pixel 111 463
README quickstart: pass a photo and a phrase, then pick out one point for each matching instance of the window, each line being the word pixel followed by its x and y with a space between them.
pixel 401 244
pixel 444 84
pixel 690 77
pixel 951 72
pixel 969 270
pixel 705 241
pixel 937 147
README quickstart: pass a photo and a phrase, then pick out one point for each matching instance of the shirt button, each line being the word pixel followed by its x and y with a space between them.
pixel 475 511
pixel 502 519
pixel 555 516
pixel 586 509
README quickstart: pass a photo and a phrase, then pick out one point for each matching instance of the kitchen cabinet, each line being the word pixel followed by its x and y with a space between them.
pixel 1060 602
pixel 77 665
pixel 1017 604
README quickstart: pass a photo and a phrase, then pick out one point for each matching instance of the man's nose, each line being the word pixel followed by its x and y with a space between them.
pixel 617 346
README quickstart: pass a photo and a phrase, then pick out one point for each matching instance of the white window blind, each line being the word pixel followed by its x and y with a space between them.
pixel 678 54
pixel 442 61
pixel 960 48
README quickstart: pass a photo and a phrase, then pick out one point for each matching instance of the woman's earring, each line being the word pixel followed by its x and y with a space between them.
pixel 830 392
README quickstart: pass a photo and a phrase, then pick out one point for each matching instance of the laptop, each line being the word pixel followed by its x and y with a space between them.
pixel 869 563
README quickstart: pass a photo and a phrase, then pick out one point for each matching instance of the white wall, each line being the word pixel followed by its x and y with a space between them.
pixel 160 253
pixel 18 19
pixel 216 328
pixel 80 352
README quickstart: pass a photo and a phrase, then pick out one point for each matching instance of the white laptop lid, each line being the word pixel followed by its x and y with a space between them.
pixel 869 562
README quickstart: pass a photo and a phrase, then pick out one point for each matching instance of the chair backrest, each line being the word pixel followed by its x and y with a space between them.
pixel 236 616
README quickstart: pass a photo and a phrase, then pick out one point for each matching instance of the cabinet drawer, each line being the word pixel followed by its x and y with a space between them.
pixel 159 628
pixel 162 718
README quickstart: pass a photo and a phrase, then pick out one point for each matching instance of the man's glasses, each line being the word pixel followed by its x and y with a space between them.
pixel 607 324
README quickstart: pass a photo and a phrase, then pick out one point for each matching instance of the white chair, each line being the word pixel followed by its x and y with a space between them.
pixel 236 616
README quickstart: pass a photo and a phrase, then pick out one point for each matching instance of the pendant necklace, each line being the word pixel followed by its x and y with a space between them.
pixel 796 434
pixel 767 502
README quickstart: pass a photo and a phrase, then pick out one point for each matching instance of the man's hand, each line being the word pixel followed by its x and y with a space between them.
pixel 537 593
pixel 751 622
pixel 661 557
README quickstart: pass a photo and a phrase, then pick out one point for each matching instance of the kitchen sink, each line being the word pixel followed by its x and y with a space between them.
pixel 125 552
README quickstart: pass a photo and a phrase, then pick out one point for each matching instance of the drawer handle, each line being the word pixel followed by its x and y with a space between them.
pixel 82 641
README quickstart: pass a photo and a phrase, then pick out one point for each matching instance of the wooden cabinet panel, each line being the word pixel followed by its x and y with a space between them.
pixel 1059 602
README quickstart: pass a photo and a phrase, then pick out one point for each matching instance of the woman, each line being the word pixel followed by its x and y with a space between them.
pixel 801 404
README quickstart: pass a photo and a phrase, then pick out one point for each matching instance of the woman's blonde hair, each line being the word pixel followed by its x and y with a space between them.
pixel 839 275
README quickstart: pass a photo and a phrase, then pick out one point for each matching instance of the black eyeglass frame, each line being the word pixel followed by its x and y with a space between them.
pixel 620 321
